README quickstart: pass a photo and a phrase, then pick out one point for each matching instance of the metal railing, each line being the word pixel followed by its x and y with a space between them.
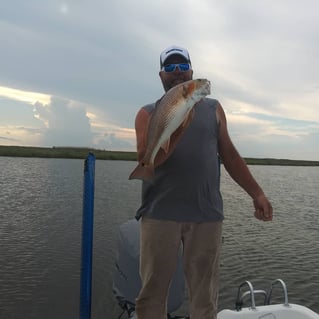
pixel 252 293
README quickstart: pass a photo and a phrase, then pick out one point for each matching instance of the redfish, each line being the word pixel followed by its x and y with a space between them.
pixel 174 109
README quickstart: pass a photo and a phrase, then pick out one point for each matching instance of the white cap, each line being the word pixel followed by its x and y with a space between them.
pixel 174 50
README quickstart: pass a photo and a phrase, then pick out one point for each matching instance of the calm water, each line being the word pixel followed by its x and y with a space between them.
pixel 40 232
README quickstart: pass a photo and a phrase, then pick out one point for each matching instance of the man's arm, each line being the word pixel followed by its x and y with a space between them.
pixel 238 170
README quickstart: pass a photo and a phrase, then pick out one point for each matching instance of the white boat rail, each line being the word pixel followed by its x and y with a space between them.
pixel 284 287
pixel 252 292
pixel 267 310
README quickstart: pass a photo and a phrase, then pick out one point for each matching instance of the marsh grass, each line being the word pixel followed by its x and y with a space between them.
pixel 81 153
pixel 65 152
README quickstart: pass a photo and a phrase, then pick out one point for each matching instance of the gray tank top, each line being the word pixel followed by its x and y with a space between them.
pixel 186 187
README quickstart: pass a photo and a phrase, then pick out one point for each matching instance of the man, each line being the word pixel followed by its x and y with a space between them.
pixel 183 202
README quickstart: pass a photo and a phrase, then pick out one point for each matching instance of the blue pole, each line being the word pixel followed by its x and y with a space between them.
pixel 87 237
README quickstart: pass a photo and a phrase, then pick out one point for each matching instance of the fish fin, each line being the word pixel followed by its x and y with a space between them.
pixel 188 117
pixel 166 144
pixel 158 101
pixel 143 172
pixel 188 89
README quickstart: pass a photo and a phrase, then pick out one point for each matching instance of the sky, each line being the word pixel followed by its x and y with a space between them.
pixel 75 73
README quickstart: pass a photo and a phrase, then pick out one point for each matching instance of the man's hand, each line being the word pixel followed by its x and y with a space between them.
pixel 263 208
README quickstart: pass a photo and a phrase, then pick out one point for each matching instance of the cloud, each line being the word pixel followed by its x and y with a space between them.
pixel 108 141
pixel 70 123
pixel 259 135
pixel 66 123
pixel 59 122
pixel 24 96
pixel 8 139
pixel 101 58
pixel 20 135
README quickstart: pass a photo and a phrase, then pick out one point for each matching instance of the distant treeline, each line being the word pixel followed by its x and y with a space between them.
pixel 65 152
pixel 81 153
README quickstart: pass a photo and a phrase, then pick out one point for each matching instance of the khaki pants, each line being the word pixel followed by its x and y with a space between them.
pixel 160 243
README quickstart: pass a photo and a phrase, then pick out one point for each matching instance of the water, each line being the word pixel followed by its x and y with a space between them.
pixel 40 235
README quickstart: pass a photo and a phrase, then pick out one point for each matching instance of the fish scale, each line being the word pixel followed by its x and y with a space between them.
pixel 172 111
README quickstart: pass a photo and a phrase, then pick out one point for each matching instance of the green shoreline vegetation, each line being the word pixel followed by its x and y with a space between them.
pixel 81 153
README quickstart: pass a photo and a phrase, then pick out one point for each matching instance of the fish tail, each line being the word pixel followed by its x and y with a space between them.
pixel 142 171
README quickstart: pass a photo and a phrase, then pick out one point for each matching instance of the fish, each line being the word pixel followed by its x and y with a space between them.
pixel 173 110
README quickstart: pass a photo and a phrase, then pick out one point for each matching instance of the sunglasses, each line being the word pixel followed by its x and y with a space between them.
pixel 183 67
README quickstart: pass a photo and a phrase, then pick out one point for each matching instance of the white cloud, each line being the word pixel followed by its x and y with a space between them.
pixel 66 122
pixel 25 96
pixel 58 122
